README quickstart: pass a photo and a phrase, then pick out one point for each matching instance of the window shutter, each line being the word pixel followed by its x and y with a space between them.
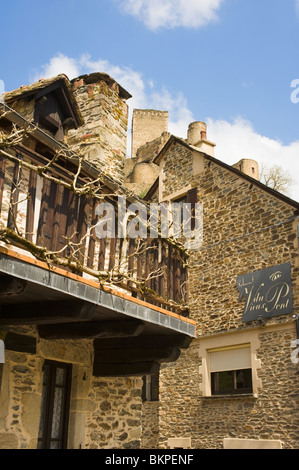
pixel 192 199
pixel 192 196
pixel 31 205
pixel 230 359
pixel 13 211
pixel 45 230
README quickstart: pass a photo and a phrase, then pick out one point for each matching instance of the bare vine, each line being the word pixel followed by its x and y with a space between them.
pixel 69 255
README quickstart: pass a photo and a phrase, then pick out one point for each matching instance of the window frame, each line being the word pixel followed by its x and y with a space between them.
pixel 233 371
pixel 228 341
pixel 234 390
pixel 45 438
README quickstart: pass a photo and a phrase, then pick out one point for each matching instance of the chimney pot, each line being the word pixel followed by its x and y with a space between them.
pixel 197 131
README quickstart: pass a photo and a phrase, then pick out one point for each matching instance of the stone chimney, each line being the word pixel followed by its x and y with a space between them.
pixel 197 137
pixel 248 167
pixel 103 137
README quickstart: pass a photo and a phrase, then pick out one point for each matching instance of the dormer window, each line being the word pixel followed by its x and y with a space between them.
pixel 49 104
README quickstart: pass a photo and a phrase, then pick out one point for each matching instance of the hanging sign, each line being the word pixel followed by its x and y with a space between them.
pixel 267 293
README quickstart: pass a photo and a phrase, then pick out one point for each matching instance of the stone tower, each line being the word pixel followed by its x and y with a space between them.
pixel 249 167
pixel 147 125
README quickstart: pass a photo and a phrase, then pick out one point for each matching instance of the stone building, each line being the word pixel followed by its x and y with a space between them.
pixel 202 356
pixel 83 316
pixel 237 385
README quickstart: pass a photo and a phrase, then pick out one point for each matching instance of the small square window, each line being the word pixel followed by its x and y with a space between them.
pixel 230 370
pixel 231 382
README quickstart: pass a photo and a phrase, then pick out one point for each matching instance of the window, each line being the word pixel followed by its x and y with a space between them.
pixel 233 381
pixel 183 214
pixel 55 406
pixel 221 356
pixel 177 216
pixel 230 370
pixel 150 389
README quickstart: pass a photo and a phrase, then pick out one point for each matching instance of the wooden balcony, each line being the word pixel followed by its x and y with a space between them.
pixel 43 215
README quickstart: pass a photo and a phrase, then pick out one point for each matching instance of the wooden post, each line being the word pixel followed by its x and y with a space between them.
pixel 31 205
pixel 14 196
pixel 2 176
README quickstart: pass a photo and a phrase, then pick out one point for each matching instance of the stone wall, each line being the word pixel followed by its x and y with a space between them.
pixel 150 425
pixel 25 107
pixel 104 413
pixel 102 140
pixel 272 415
pixel 114 418
pixel 245 229
pixel 20 401
pixel 148 151
pixel 147 125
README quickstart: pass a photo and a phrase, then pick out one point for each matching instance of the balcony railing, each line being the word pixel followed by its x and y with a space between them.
pixel 40 212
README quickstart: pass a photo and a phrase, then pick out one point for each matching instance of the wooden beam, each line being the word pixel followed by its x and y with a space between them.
pixel 117 356
pixel 2 178
pixel 143 342
pixel 137 369
pixel 12 213
pixel 11 286
pixel 88 330
pixel 39 313
pixel 31 205
pixel 20 343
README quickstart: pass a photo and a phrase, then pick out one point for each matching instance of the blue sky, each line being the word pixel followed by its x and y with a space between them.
pixel 229 63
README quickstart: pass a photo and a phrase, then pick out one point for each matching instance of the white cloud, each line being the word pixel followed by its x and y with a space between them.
pixel 145 94
pixel 297 7
pixel 58 64
pixel 170 14
pixel 239 139
pixel 234 140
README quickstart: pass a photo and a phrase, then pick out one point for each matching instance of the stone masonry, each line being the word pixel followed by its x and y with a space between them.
pixel 104 413
pixel 246 228
pixel 103 137
pixel 147 125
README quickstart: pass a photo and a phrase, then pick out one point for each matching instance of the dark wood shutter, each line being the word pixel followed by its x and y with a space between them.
pixel 46 219
pixel 12 215
pixel 72 219
pixel 31 205
pixel 49 115
pixel 82 226
pixel 192 199
pixel 92 239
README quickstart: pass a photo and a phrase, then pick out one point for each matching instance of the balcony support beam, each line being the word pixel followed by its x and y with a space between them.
pixel 89 330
